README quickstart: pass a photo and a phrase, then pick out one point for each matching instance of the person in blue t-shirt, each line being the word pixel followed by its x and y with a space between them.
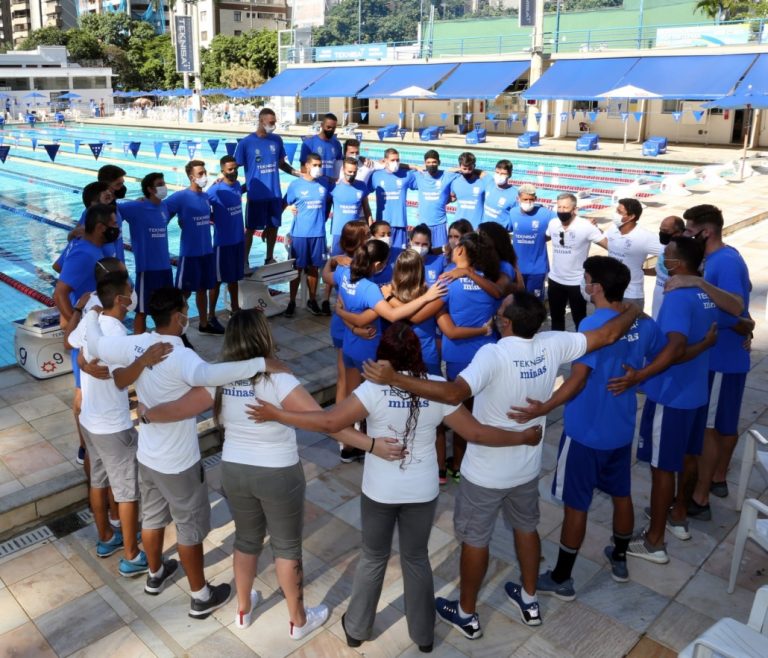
pixel 114 176
pixel 391 187
pixel 500 195
pixel 468 190
pixel 381 230
pixel 226 202
pixel 596 445
pixel 326 145
pixel 528 222
pixel 421 243
pixel 148 219
pixel 309 197
pixel 726 281
pixel 510 278
pixel 262 156
pixel 434 189
pixel 674 415
pixel 196 271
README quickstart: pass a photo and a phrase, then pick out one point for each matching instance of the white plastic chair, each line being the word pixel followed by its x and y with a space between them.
pixel 675 185
pixel 752 457
pixel 750 527
pixel 729 638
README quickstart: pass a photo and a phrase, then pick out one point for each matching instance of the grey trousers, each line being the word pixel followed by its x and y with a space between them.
pixel 414 523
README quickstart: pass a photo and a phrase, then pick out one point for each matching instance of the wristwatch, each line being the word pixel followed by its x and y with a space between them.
pixel 143 419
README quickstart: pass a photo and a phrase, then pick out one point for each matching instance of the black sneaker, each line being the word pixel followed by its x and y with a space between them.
pixel 719 489
pixel 700 512
pixel 214 322
pixel 219 596
pixel 313 308
pixel 326 307
pixel 210 329
pixel 448 611
pixel 80 455
pixel 349 455
pixel 155 585
pixel 290 310
pixel 186 342
pixel 529 612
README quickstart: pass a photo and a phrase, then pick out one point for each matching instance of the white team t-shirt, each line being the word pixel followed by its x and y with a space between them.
pixel 567 267
pixel 503 375
pixel 632 249
pixel 416 482
pixel 105 407
pixel 267 444
pixel 662 276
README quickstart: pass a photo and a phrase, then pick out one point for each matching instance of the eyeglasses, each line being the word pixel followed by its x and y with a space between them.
pixel 562 238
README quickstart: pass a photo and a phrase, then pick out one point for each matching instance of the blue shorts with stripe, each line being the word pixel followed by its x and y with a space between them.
pixel 534 284
pixel 668 434
pixel 230 262
pixel 149 281
pixel 308 252
pixel 726 391
pixel 439 234
pixel 196 273
pixel 581 469
pixel 398 237
pixel 263 213
pixel 75 366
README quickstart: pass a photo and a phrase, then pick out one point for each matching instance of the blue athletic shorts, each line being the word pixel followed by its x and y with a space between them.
pixel 75 367
pixel 230 262
pixel 336 249
pixel 453 368
pixel 399 237
pixel 434 369
pixel 726 391
pixel 439 234
pixel 196 273
pixel 337 342
pixel 581 469
pixel 308 252
pixel 668 434
pixel 148 282
pixel 534 284
pixel 349 362
pixel 263 213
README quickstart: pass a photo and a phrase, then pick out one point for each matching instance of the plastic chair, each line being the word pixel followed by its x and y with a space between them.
pixel 750 527
pixel 732 639
pixel 752 457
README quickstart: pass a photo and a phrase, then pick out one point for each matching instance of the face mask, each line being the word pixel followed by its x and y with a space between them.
pixel 185 324
pixel 583 289
pixel 431 169
pixel 452 242
pixel 565 217
pixel 231 177
pixel 202 181
pixel 350 178
pixel 329 133
pixel 665 238
pixel 134 301
pixel 618 220
pixel 269 128
pixel 700 237
pixel 111 233
pixel 161 191
pixel 315 172
pixel 526 206
pixel 385 239
pixel 422 250
pixel 120 194
pixel 393 166
pixel 500 179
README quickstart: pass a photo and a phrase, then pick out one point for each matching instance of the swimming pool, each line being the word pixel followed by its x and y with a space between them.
pixel 40 200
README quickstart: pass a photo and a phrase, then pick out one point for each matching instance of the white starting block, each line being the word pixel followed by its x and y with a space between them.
pixel 253 290
pixel 39 345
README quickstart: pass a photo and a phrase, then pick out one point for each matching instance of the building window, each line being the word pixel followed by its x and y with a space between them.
pixel 238 33
pixel 203 15
pixel 204 36
pixel 670 106
pixel 238 16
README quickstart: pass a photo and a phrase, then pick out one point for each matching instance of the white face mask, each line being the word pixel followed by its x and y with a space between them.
pixel 618 220
pixel 583 289
pixel 315 172
pixel 202 181
pixel 161 191
pixel 393 166
pixel 134 301
pixel 500 179
pixel 422 250
pixel 185 324
pixel 385 239
pixel 526 206
pixel 269 128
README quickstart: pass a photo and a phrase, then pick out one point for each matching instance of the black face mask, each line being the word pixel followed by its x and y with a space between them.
pixel 111 233
pixel 231 177
pixel 350 178
pixel 431 169
pixel 701 238
pixel 329 133
pixel 665 238
pixel 120 194
pixel 565 217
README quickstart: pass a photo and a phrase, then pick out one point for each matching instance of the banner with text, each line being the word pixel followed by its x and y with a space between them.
pixel 185 42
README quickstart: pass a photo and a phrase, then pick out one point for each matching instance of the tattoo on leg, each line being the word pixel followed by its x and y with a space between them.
pixel 299 569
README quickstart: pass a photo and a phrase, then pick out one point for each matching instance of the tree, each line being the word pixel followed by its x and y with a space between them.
pixel 111 29
pixel 238 75
pixel 83 46
pixel 45 36
pixel 723 10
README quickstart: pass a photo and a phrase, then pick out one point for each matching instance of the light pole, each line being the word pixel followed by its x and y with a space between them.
pixel 359 22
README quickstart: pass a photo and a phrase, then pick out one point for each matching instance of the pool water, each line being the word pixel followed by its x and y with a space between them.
pixel 40 200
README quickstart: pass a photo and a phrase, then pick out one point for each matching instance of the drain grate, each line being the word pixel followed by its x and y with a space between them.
pixel 213 460
pixel 20 542
pixel 86 516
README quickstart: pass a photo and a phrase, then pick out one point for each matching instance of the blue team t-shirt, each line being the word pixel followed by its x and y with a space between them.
pixel 617 412
pixel 358 297
pixel 529 238
pixel 78 268
pixel 227 210
pixel 726 269
pixel 114 249
pixel 469 306
pixel 470 198
pixel 329 151
pixel 149 234
pixel 434 194
pixel 498 202
pixel 434 266
pixel 310 199
pixel 261 158
pixel 391 195
pixel 385 276
pixel 347 198
pixel 426 332
pixel 687 311
pixel 194 213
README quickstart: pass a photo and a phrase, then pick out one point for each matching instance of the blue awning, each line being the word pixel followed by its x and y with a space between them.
pixel 344 81
pixel 291 81
pixel 691 77
pixel 481 79
pixel 406 75
pixel 582 79
pixel 756 77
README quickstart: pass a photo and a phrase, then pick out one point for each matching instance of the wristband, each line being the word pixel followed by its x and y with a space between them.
pixel 373 444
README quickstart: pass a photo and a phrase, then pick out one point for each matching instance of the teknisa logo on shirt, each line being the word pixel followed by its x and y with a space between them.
pixel 272 148
pixel 534 224
pixel 476 190
pixel 359 195
pixel 502 201
pixel 399 183
pixel 304 192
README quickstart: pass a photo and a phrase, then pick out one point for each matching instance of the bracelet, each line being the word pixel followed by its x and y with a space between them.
pixel 390 297
pixel 143 418
pixel 77 308
pixel 373 444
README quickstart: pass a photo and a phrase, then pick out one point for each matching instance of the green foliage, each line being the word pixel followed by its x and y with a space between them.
pixel 46 36
pixel 111 29
pixel 726 10
pixel 83 46
pixel 255 50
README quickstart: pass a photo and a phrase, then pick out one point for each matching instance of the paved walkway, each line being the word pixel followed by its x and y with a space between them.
pixel 57 598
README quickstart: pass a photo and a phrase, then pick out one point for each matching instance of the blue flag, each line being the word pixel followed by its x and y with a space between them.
pixel 230 146
pixel 524 121
pixel 676 116
pixel 4 152
pixel 697 114
pixel 514 116
pixel 214 144
pixel 593 115
pixel 563 117
pixel 624 116
pixel 403 132
pixel 158 148
pixel 133 147
pixel 382 115
pixel 363 115
pixel 51 150
pixel 637 115
pixel 421 116
pixel 313 115
pixel 96 149
pixel 491 115
pixel 495 125
pixel 290 150
pixel 444 116
pixel 77 146
pixel 174 146
pixel 401 115
pixel 573 114
pixel 468 116
pixel 538 116
pixel 191 149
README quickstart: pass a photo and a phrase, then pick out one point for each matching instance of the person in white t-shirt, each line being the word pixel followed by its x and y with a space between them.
pixel 405 493
pixel 261 471
pixel 523 364
pixel 632 245
pixel 670 227
pixel 571 237
pixel 171 476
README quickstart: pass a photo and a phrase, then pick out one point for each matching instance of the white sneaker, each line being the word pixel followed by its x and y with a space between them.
pixel 678 529
pixel 243 619
pixel 639 547
pixel 316 617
